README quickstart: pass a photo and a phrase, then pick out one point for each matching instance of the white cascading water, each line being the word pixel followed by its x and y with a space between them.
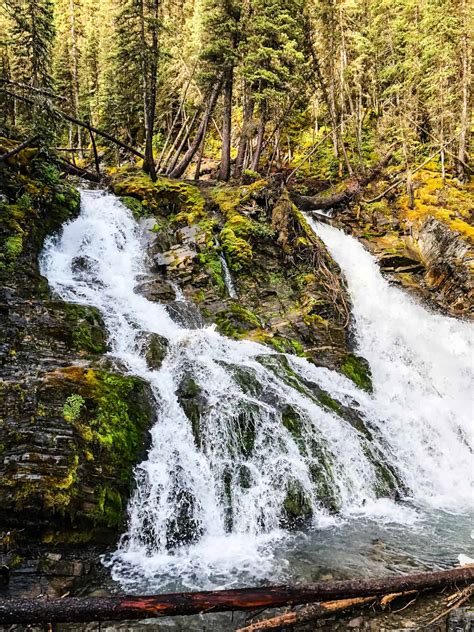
pixel 228 282
pixel 211 495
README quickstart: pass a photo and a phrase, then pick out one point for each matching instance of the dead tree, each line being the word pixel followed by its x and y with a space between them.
pixel 83 609
pixel 353 189
pixel 181 167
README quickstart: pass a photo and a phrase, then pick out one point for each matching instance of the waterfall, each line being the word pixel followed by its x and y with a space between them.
pixel 274 438
pixel 229 284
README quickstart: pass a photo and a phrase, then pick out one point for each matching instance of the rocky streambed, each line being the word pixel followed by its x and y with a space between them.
pixel 73 425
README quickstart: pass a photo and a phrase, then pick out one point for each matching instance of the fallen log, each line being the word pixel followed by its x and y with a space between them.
pixel 354 188
pixel 74 170
pixel 16 150
pixel 83 609
pixel 85 124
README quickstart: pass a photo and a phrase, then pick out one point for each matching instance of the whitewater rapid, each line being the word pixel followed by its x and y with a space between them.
pixel 226 485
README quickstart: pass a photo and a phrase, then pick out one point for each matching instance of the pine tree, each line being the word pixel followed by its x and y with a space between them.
pixel 31 37
pixel 220 38
pixel 273 59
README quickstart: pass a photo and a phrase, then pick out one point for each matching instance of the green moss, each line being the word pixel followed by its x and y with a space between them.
pixel 234 236
pixel 165 196
pixel 238 250
pixel 36 203
pixel 135 206
pixel 109 506
pixel 292 421
pixel 14 246
pixel 330 403
pixel 88 332
pixel 119 422
pixel 211 261
pixel 296 504
pixel 237 320
pixel 357 369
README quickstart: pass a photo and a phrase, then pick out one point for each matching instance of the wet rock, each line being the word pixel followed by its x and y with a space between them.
pixel 297 506
pixel 156 289
pixel 185 314
pixel 194 404
pixel 156 347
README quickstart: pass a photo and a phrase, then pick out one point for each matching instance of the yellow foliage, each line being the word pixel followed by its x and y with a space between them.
pixel 451 202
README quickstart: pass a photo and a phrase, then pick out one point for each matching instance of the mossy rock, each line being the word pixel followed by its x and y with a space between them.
pixel 297 507
pixel 105 417
pixel 236 321
pixel 165 197
pixel 156 348
pixel 88 331
pixel 357 369
pixel 193 404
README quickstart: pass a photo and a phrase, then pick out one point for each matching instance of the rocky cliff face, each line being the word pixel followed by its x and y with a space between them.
pixel 288 291
pixel 428 249
pixel 71 427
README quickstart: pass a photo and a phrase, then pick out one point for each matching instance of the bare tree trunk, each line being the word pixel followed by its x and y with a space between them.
pixel 353 189
pixel 175 120
pixel 16 150
pixel 187 129
pixel 75 71
pixel 149 71
pixel 244 137
pixel 224 170
pixel 463 157
pixel 94 149
pixel 197 173
pixel 259 145
pixel 178 171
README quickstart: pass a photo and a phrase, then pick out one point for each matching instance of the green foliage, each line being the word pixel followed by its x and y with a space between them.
pixel 72 407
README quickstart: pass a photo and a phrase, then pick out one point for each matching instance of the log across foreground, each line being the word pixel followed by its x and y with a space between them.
pixel 84 609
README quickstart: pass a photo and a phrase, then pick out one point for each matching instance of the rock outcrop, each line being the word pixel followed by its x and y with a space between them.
pixel 71 426
pixel 289 293
pixel 427 249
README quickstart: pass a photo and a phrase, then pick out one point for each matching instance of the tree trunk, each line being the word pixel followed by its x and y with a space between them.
pixel 224 170
pixel 96 156
pixel 83 609
pixel 187 132
pixel 463 157
pixel 149 71
pixel 75 71
pixel 178 171
pixel 244 137
pixel 197 173
pixel 259 145
pixel 16 150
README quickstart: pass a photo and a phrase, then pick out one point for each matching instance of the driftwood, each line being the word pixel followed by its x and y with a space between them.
pixel 16 150
pixel 351 191
pixel 83 609
pixel 309 613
